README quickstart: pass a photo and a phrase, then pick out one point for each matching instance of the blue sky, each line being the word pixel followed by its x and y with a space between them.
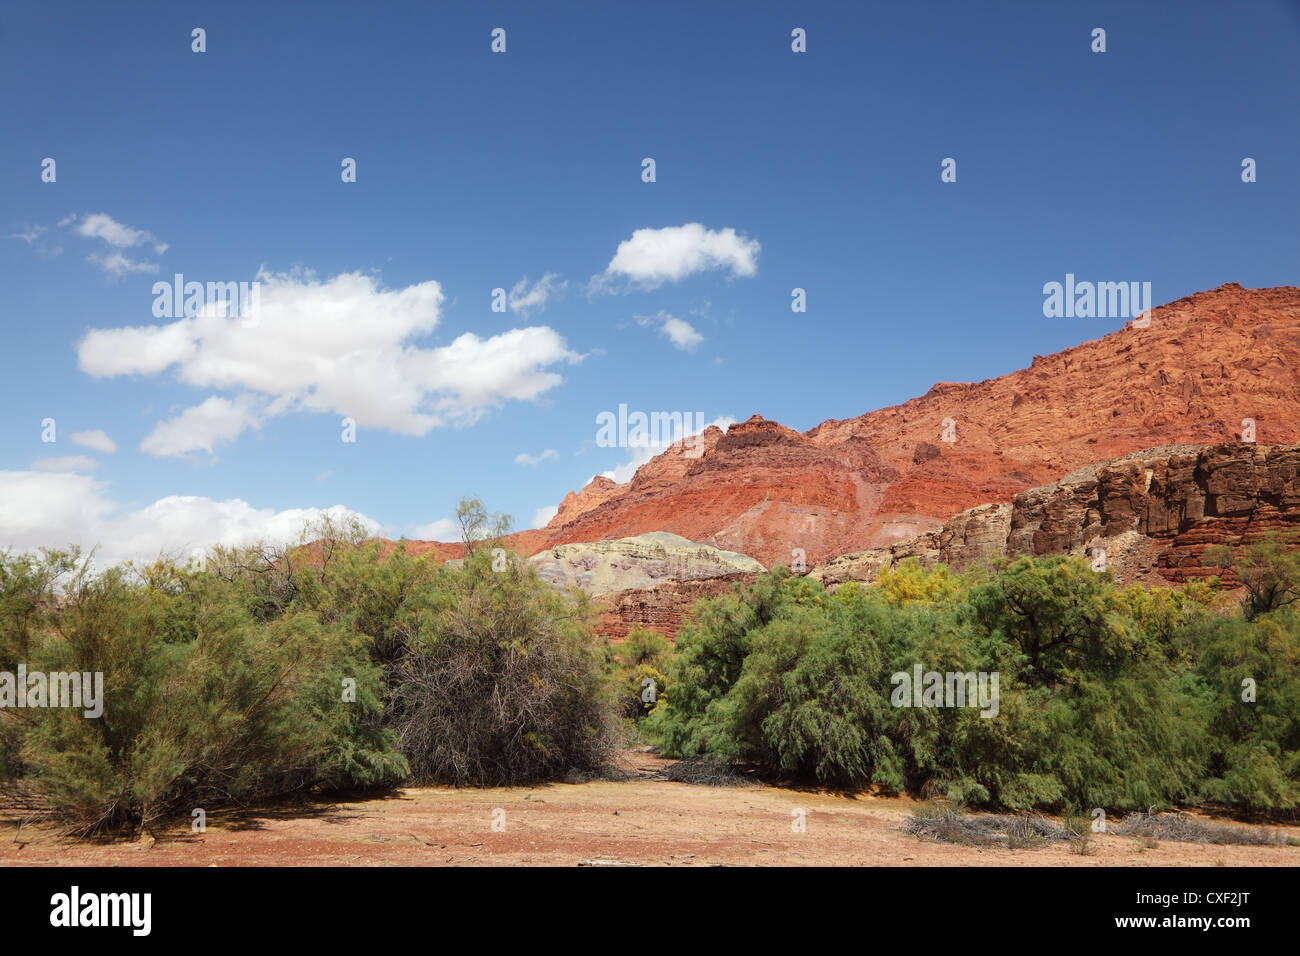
pixel 478 170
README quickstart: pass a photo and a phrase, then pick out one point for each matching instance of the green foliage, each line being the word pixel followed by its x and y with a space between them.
pixel 908 583
pixel 342 663
pixel 644 656
pixel 711 650
pixel 1268 569
pixel 203 704
pixel 1107 697
pixel 1252 673
pixel 478 526
pixel 1059 614
pixel 348 663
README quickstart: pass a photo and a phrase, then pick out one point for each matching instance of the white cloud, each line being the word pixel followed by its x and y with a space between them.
pixel 68 463
pixel 643 453
pixel 117 236
pixel 201 428
pixel 681 333
pixel 444 529
pixel 523 458
pixel 96 439
pixel 655 256
pixel 143 350
pixel 341 346
pixel 56 510
pixel 542 516
pixel 117 265
pixel 524 299
pixel 103 226
pixel 43 510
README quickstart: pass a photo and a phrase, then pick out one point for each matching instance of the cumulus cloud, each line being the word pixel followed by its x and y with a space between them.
pixel 524 298
pixel 523 458
pixel 652 257
pixel 96 439
pixel 53 510
pixel 201 428
pixel 49 510
pixel 68 463
pixel 341 346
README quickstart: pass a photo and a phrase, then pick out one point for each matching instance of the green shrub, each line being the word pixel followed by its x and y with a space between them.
pixel 1119 698
pixel 202 703
pixel 1251 672
pixel 638 671
pixel 500 682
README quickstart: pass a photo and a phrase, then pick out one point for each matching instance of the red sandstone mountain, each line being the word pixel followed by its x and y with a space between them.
pixel 1204 364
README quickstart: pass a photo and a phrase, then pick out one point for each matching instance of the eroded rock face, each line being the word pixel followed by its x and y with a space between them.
pixel 1204 364
pixel 640 562
pixel 1154 513
pixel 663 608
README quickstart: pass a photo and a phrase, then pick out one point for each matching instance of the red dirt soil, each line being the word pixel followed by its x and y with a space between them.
pixel 641 821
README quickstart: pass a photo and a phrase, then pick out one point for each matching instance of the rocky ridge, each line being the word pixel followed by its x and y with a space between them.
pixel 1154 513
pixel 641 562
pixel 1203 366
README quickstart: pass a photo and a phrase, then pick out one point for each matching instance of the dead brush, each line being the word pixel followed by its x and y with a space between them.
pixel 943 824
pixel 1184 828
pixel 703 771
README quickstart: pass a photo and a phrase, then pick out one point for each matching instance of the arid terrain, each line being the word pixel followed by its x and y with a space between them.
pixel 645 821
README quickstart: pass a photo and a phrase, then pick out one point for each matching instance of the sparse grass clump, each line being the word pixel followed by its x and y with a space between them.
pixel 1079 828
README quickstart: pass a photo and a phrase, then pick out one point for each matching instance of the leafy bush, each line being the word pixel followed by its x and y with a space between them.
pixel 1120 698
pixel 203 704
pixel 339 664
pixel 638 670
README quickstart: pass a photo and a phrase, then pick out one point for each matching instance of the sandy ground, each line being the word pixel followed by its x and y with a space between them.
pixel 641 821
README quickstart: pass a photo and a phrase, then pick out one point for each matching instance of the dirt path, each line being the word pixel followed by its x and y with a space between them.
pixel 640 821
